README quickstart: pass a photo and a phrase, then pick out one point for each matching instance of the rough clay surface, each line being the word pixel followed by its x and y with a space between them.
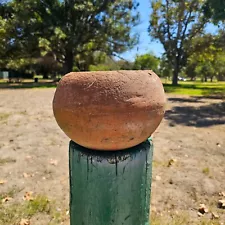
pixel 110 110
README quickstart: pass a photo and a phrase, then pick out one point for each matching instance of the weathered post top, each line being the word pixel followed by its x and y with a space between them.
pixel 109 110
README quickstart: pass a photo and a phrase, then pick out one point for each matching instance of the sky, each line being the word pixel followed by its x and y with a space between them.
pixel 145 43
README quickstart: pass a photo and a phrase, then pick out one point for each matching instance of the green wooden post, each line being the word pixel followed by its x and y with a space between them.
pixel 110 188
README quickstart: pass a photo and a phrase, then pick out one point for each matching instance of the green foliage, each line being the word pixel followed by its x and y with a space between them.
pixel 13 213
pixel 207 59
pixel 104 63
pixel 165 69
pixel 71 31
pixel 174 24
pixel 147 62
pixel 125 65
pixel 206 170
pixel 215 9
pixel 100 67
pixel 5 160
pixel 38 205
pixel 4 116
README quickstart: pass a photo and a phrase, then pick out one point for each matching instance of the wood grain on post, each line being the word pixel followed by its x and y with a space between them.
pixel 110 188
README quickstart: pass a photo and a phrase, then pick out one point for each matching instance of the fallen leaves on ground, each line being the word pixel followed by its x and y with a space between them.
pixel 28 196
pixel 221 204
pixel 202 209
pixel 24 222
pixel 218 144
pixel 54 162
pixel 26 175
pixel 3 181
pixel 215 215
pixel 171 162
pixel 28 157
pixel 6 199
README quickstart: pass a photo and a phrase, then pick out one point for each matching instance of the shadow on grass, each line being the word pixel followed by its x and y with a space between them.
pixel 214 93
pixel 203 116
pixel 28 85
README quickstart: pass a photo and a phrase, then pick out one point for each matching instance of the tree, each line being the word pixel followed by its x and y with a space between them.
pixel 165 69
pixel 102 62
pixel 5 13
pixel 125 65
pixel 66 28
pixel 47 65
pixel 108 64
pixel 207 59
pixel 174 23
pixel 146 62
pixel 215 9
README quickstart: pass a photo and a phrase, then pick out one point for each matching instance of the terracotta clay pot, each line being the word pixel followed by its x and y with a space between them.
pixel 109 110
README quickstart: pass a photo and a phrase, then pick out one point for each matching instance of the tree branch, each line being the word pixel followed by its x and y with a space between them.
pixel 179 29
pixel 167 19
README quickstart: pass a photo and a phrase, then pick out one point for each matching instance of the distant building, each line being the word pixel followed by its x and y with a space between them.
pixel 4 74
pixel 7 74
pixel 11 75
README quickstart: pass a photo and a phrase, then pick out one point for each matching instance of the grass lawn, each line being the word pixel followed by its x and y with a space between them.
pixel 28 83
pixel 194 88
pixel 197 88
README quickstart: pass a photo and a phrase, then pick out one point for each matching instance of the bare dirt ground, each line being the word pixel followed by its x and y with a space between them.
pixel 188 167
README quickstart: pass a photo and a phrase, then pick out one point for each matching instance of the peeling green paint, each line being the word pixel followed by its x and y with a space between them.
pixel 110 188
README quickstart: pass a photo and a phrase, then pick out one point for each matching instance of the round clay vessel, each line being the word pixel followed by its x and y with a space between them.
pixel 109 110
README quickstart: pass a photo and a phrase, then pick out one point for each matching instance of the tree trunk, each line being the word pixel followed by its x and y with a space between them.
pixel 175 77
pixel 211 78
pixel 205 78
pixel 221 77
pixel 175 72
pixel 45 75
pixel 68 65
